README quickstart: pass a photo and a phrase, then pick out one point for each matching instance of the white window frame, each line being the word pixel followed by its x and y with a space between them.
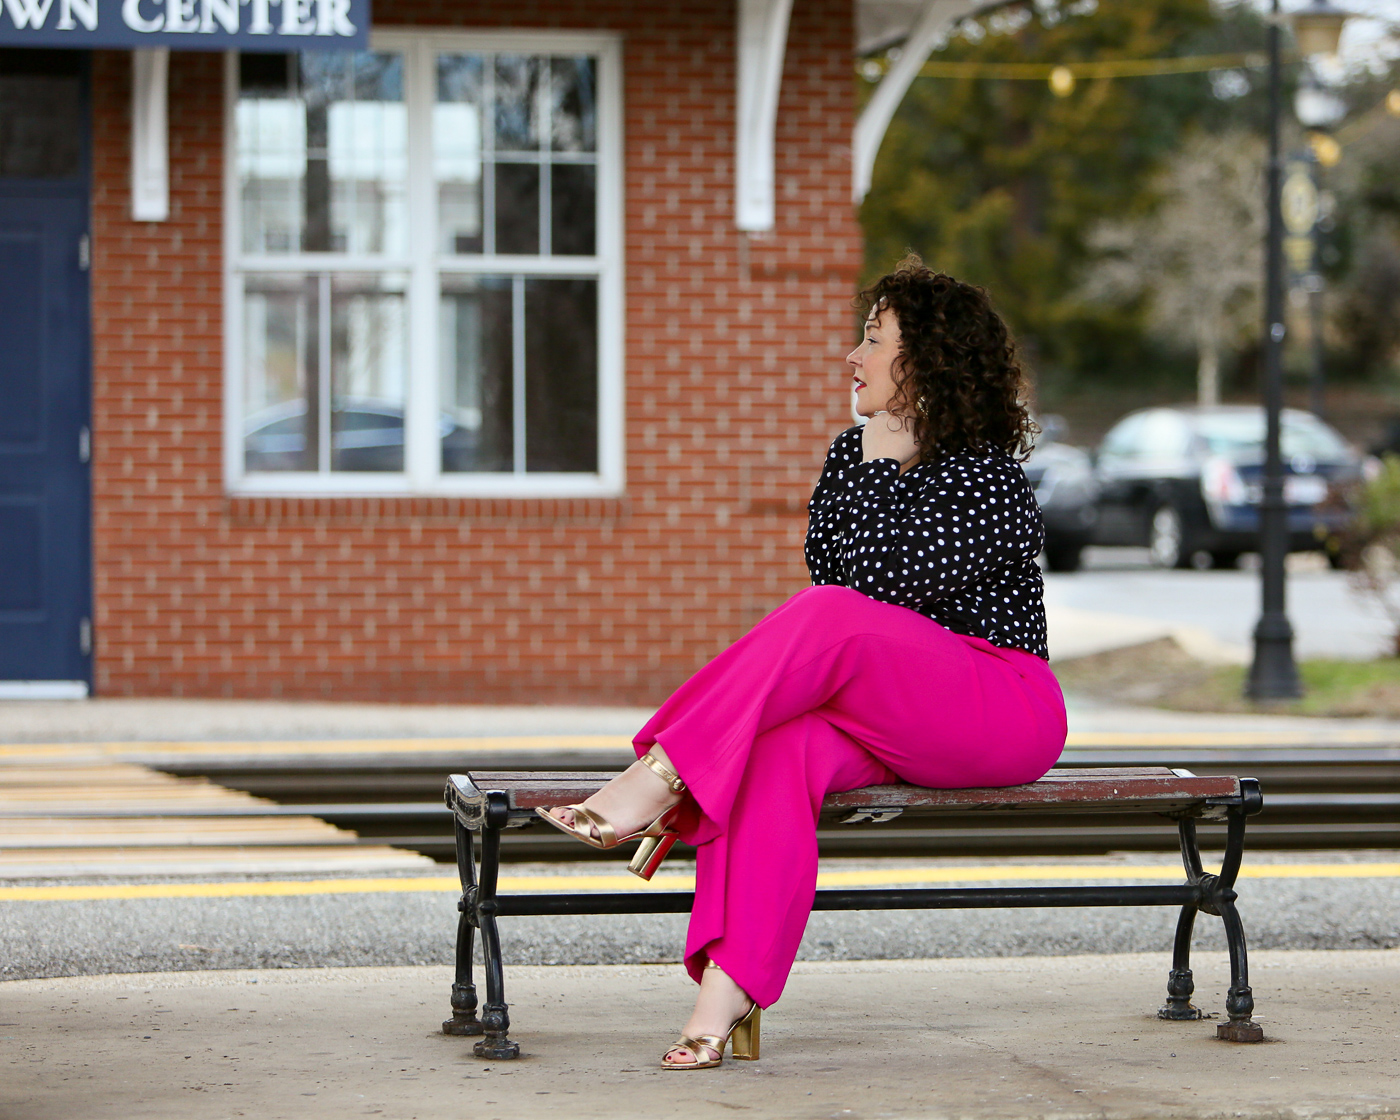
pixel 424 266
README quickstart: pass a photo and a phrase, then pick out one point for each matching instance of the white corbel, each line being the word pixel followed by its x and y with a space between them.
pixel 150 145
pixel 936 18
pixel 762 42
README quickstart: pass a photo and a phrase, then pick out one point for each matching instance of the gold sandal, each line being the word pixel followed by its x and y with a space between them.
pixel 657 838
pixel 742 1037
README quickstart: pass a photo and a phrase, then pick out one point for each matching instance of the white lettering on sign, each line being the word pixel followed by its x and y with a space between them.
pixel 179 15
pixel 333 18
pixel 131 16
pixel 224 11
pixel 85 10
pixel 27 13
pixel 296 18
pixel 204 17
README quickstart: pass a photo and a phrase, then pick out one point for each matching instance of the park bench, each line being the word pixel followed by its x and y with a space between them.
pixel 489 802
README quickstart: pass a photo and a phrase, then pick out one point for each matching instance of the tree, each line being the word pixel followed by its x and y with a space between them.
pixel 1197 258
pixel 1001 182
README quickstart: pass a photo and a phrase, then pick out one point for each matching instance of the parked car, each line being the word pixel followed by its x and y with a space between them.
pixel 1065 487
pixel 1186 482
pixel 366 435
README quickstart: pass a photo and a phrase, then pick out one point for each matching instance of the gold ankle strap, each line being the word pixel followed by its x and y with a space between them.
pixel 664 772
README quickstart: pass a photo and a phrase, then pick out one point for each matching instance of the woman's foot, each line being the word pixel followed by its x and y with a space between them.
pixel 720 1004
pixel 631 801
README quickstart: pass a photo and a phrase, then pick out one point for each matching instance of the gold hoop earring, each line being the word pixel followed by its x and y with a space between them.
pixel 921 406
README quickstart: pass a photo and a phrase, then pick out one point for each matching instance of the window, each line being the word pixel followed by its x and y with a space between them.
pixel 424 278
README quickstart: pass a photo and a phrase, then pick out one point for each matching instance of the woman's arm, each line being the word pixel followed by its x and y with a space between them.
pixel 912 541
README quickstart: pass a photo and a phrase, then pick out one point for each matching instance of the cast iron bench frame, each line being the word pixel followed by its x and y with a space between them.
pixel 489 802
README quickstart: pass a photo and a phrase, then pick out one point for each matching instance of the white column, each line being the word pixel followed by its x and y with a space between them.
pixel 936 17
pixel 150 149
pixel 762 42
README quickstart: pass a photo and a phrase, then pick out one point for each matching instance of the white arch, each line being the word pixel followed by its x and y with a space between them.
pixel 935 18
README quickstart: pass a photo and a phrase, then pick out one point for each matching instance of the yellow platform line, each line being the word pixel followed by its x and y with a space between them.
pixel 520 884
pixel 539 743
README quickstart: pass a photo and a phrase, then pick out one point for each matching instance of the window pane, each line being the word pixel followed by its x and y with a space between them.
pixel 280 361
pixel 321 153
pixel 41 114
pixel 457 151
pixel 369 352
pixel 475 373
pixel 573 117
pixel 517 208
pixel 517 103
pixel 572 212
pixel 561 375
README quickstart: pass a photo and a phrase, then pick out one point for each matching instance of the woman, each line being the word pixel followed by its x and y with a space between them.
pixel 918 655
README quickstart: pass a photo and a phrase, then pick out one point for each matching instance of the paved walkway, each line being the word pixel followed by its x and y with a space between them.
pixel 1015 1039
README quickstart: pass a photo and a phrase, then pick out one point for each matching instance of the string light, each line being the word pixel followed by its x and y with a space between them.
pixel 1061 81
pixel 1064 75
pixel 1392 103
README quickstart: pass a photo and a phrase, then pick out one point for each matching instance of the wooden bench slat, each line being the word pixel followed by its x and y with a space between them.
pixel 1150 788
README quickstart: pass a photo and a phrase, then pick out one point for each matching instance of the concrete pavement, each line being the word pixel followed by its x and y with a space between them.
pixel 1026 1038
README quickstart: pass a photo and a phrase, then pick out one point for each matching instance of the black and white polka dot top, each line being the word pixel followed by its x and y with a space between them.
pixel 954 539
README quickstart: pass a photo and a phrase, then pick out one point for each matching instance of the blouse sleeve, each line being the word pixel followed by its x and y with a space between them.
pixel 912 542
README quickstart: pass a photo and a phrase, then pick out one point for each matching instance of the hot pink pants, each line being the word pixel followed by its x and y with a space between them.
pixel 831 691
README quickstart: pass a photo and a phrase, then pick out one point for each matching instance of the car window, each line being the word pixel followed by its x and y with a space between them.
pixel 1163 436
pixel 1122 439
pixel 1242 433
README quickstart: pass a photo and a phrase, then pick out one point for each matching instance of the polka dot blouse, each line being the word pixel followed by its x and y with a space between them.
pixel 954 539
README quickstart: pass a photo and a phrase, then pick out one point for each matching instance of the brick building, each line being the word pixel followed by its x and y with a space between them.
pixel 456 368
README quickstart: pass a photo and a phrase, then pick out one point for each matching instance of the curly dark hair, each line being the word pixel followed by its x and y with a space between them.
pixel 957 373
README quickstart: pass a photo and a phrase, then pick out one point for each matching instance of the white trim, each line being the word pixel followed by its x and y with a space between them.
pixel 425 265
pixel 150 135
pixel 43 690
pixel 761 44
pixel 361 484
pixel 937 16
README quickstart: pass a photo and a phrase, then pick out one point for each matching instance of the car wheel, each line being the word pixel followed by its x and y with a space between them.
pixel 1166 539
pixel 1063 557
pixel 1226 558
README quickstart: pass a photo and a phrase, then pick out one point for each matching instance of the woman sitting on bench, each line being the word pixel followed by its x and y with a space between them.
pixel 918 655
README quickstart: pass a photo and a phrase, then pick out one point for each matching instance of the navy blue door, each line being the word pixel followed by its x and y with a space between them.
pixel 45 440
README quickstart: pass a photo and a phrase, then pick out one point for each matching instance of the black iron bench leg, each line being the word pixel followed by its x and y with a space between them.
pixel 495 1018
pixel 1180 984
pixel 1239 1001
pixel 464 1020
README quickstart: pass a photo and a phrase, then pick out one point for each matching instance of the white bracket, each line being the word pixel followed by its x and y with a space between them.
pixel 150 145
pixel 762 42
pixel 935 18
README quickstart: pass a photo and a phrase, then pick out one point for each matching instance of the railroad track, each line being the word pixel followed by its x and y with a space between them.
pixel 1315 796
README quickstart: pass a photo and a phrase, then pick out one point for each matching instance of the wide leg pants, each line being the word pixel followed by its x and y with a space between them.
pixel 831 691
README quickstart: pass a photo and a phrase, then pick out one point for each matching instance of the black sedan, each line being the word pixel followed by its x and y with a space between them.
pixel 1065 487
pixel 1186 482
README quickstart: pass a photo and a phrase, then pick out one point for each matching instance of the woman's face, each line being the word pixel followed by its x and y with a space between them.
pixel 873 361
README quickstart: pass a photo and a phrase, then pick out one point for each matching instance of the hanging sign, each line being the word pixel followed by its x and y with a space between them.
pixel 192 25
pixel 1300 205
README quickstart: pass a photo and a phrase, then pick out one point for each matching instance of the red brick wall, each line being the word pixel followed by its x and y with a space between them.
pixel 734 385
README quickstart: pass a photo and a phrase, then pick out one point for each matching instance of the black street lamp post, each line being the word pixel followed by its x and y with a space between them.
pixel 1273 675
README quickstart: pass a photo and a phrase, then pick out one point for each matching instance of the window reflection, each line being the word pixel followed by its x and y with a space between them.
pixel 561 375
pixel 515 151
pixel 325 372
pixel 322 145
pixel 457 152
pixel 475 384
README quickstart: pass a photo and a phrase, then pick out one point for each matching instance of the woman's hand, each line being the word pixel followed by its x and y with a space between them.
pixel 887 436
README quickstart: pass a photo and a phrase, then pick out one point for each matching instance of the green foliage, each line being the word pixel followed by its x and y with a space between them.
pixel 1377 510
pixel 1000 182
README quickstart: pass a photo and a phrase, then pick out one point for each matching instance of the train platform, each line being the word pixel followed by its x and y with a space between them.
pixel 1009 1039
